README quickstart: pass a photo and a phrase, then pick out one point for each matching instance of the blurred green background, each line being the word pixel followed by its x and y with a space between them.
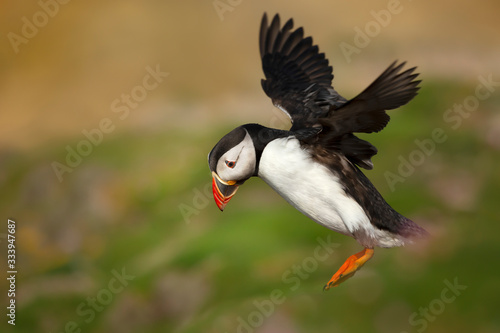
pixel 128 239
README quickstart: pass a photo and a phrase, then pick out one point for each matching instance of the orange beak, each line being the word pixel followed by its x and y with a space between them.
pixel 223 191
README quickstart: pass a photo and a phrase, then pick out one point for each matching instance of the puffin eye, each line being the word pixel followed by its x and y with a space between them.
pixel 231 164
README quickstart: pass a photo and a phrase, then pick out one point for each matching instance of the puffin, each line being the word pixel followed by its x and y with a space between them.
pixel 315 165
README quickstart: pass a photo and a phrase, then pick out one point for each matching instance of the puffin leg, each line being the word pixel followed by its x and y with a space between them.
pixel 350 266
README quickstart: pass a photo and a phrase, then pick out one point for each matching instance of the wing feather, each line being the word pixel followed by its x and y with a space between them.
pixel 297 77
pixel 367 113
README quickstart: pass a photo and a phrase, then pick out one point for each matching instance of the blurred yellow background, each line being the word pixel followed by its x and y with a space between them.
pixel 108 110
pixel 65 77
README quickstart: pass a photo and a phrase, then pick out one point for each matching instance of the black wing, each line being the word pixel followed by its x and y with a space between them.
pixel 298 77
pixel 366 113
pixel 298 80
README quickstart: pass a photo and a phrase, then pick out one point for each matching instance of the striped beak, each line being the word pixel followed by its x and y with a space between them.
pixel 223 191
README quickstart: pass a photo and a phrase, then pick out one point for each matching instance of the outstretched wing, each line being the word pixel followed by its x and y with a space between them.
pixel 298 77
pixel 298 80
pixel 366 113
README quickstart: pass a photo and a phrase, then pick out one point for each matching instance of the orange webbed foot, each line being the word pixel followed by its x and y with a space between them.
pixel 350 266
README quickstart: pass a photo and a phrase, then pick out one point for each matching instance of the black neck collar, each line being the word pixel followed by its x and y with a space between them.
pixel 261 136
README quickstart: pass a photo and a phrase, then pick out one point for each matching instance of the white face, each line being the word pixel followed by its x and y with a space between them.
pixel 239 162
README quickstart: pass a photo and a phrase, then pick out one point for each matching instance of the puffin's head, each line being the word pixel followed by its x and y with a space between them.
pixel 232 161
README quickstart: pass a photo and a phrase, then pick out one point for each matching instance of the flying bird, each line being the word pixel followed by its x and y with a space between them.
pixel 315 165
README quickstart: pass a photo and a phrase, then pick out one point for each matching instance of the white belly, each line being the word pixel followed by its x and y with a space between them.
pixel 310 187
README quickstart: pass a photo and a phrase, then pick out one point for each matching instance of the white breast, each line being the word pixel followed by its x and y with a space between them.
pixel 310 187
